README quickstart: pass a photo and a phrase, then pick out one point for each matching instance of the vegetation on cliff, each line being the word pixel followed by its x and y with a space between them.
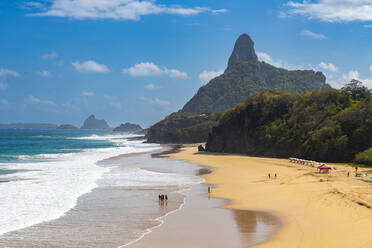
pixel 244 76
pixel 328 125
pixel 182 128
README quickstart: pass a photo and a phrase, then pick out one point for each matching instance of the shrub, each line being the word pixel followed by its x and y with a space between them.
pixel 364 157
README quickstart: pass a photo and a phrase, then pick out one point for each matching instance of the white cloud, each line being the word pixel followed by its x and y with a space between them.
pixel 264 57
pixel 338 80
pixel 116 9
pixel 90 66
pixel 87 93
pixel 109 97
pixel 116 105
pixel 151 86
pixel 52 55
pixel 36 100
pixel 329 67
pixel 206 76
pixel 370 68
pixel 333 10
pixel 3 86
pixel 311 34
pixel 6 73
pixel 148 69
pixel 44 74
pixel 155 101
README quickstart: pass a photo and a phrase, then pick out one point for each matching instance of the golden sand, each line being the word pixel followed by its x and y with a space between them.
pixel 316 210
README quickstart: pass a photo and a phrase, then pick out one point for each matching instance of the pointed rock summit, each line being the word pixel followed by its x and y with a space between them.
pixel 92 123
pixel 243 50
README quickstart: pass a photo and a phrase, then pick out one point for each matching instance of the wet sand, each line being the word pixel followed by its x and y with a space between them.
pixel 203 223
pixel 316 210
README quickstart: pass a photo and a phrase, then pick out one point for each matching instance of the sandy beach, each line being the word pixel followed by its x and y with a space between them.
pixel 315 210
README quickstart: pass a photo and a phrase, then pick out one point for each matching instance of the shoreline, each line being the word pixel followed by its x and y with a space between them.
pixel 240 233
pixel 315 210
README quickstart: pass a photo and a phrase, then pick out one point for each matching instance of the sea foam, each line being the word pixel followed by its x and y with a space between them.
pixel 46 190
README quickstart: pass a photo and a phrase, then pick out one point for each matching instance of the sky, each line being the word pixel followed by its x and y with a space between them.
pixel 138 61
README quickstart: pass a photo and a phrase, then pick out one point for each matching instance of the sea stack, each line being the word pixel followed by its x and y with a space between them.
pixel 243 51
pixel 92 123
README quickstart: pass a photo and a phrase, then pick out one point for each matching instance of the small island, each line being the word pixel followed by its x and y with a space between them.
pixel 67 127
pixel 128 128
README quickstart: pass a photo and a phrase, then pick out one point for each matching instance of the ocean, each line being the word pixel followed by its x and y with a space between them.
pixel 58 188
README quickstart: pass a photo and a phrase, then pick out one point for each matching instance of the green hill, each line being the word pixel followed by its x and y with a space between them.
pixel 328 125
pixel 244 76
pixel 247 78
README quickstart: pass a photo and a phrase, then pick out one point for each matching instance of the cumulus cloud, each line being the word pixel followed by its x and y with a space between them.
pixel 262 56
pixel 44 74
pixel 6 73
pixel 206 76
pixel 116 9
pixel 308 33
pixel 148 69
pixel 151 86
pixel 329 67
pixel 155 101
pixel 87 93
pixel 338 80
pixel 52 55
pixel 90 66
pixel 36 100
pixel 332 10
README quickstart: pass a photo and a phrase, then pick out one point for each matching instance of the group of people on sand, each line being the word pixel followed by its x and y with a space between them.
pixel 275 176
pixel 163 198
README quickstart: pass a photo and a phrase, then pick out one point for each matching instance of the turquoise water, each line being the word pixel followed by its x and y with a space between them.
pixel 17 144
pixel 44 172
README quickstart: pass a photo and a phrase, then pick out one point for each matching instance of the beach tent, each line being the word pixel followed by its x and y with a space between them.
pixel 324 169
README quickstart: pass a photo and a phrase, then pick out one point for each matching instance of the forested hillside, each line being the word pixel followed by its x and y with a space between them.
pixel 328 125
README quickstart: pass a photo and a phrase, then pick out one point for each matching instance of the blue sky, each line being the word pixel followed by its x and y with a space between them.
pixel 138 61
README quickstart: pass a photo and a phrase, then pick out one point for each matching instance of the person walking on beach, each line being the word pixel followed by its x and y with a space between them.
pixel 348 173
pixel 269 176
pixel 209 190
pixel 276 175
pixel 166 197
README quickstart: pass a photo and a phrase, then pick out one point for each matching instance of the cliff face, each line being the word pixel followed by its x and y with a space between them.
pixel 92 123
pixel 128 128
pixel 243 51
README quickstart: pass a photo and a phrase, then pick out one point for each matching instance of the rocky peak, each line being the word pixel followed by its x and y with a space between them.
pixel 243 50
pixel 92 123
